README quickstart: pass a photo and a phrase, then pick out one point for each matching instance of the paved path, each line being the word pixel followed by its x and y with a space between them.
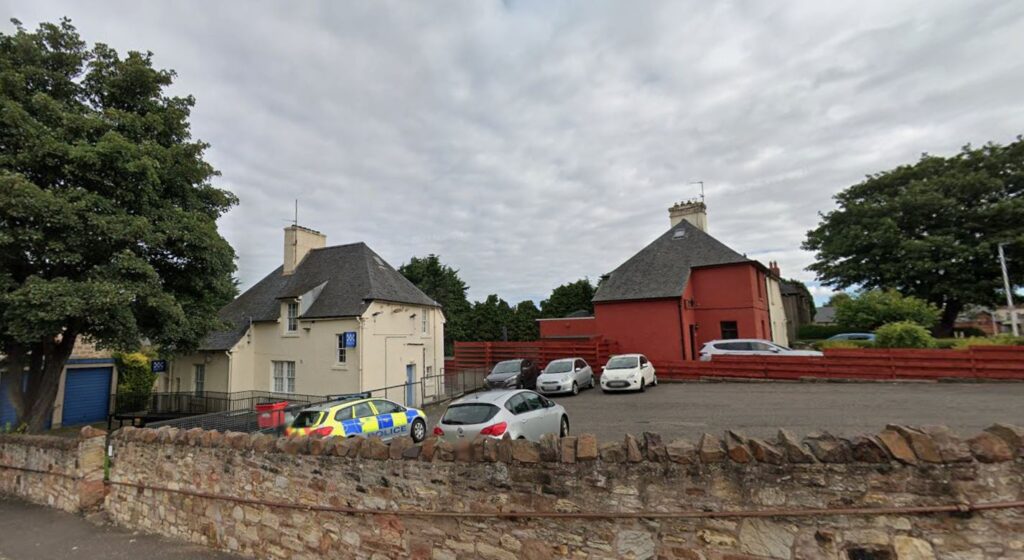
pixel 31 532
pixel 760 409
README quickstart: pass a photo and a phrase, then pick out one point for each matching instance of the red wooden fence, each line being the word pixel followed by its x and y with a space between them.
pixel 975 363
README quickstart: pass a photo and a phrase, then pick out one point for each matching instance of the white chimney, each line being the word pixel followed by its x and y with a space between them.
pixel 693 211
pixel 298 241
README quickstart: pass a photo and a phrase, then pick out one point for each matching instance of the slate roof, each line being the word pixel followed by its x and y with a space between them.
pixel 661 269
pixel 790 288
pixel 825 315
pixel 352 276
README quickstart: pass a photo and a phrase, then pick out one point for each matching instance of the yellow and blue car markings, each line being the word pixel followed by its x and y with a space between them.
pixel 376 425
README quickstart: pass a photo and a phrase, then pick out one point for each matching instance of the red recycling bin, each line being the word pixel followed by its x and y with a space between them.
pixel 270 415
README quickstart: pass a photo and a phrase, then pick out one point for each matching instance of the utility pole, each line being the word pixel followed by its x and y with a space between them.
pixel 1009 292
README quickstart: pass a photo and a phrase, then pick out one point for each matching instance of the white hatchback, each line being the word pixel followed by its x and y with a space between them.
pixel 749 347
pixel 628 372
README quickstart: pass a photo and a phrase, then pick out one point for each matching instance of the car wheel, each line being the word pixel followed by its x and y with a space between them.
pixel 654 381
pixel 643 386
pixel 575 388
pixel 419 430
pixel 605 391
pixel 563 429
pixel 592 382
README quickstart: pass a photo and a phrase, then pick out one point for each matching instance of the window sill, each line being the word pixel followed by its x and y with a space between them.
pixel 292 334
pixel 340 367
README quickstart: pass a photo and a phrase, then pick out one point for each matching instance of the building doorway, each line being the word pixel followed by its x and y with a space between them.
pixel 410 378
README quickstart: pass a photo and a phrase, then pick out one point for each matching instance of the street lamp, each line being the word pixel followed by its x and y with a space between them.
pixel 1009 292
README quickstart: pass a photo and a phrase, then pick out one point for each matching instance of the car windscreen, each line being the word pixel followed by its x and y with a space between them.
pixel 563 366
pixel 506 367
pixel 622 362
pixel 307 419
pixel 474 413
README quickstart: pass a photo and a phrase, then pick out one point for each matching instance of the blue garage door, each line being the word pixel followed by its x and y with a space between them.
pixel 86 395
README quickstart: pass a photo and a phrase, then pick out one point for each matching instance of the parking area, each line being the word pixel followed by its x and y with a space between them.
pixel 760 409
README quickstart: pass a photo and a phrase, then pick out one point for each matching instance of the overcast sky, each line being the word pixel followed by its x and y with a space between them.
pixel 534 143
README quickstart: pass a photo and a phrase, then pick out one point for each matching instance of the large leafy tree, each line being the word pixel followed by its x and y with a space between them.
pixel 569 298
pixel 524 321
pixel 442 283
pixel 929 229
pixel 107 213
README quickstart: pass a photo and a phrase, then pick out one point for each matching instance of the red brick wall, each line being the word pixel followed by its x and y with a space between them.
pixel 729 293
pixel 651 327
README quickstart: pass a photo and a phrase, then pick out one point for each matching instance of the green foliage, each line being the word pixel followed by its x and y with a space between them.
pixel 928 229
pixel 819 332
pixel 524 322
pixel 838 297
pixel 824 344
pixel 9 428
pixel 491 319
pixel 998 340
pixel 442 283
pixel 874 308
pixel 568 298
pixel 107 212
pixel 134 373
pixel 903 334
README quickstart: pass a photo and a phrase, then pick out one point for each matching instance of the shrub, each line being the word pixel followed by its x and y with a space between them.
pixel 998 340
pixel 818 332
pixel 903 334
pixel 874 308
pixel 822 345
pixel 134 374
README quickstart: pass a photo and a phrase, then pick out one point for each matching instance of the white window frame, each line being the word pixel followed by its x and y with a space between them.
pixel 342 356
pixel 198 378
pixel 286 377
pixel 292 317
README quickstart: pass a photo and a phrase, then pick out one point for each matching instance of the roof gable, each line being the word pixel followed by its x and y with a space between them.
pixel 662 268
pixel 351 276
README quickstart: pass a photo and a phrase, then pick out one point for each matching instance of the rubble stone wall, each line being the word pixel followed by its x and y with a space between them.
pixel 269 497
pixel 60 472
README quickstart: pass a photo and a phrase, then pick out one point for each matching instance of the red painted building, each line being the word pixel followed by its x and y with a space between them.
pixel 682 290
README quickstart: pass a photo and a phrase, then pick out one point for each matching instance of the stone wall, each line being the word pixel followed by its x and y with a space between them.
pixel 64 473
pixel 307 498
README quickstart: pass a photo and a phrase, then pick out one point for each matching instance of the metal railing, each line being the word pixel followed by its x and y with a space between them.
pixel 238 410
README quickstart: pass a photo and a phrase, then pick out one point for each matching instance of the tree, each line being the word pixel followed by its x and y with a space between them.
pixel 490 320
pixel 875 308
pixel 929 229
pixel 442 283
pixel 568 298
pixel 107 213
pixel 524 321
pixel 838 298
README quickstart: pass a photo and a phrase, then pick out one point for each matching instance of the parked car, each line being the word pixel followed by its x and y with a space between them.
pixel 516 374
pixel 520 413
pixel 566 375
pixel 364 417
pixel 853 336
pixel 749 347
pixel 628 372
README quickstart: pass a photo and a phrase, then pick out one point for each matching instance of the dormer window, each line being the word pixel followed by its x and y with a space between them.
pixel 293 316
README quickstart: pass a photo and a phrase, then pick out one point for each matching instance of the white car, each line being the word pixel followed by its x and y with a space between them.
pixel 749 347
pixel 519 413
pixel 628 372
pixel 566 375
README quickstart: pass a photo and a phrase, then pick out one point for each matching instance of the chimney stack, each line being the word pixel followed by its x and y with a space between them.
pixel 773 267
pixel 693 211
pixel 298 241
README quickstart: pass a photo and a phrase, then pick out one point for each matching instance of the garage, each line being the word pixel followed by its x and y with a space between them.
pixel 86 395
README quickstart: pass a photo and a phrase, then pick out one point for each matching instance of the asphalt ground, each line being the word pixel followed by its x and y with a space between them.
pixel 759 409
pixel 32 532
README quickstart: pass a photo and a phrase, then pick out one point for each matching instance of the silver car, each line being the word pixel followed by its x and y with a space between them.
pixel 520 413
pixel 566 375
pixel 749 347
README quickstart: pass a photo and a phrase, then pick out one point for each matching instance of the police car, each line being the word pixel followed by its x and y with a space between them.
pixel 360 416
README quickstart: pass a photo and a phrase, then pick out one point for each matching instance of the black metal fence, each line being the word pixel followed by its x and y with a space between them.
pixel 237 411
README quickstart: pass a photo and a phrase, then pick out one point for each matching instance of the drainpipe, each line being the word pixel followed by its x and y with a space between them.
pixel 359 344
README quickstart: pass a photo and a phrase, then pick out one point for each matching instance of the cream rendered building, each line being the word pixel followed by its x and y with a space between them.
pixel 330 320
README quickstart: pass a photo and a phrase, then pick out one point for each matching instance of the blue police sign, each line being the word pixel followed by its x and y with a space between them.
pixel 350 340
pixel 158 366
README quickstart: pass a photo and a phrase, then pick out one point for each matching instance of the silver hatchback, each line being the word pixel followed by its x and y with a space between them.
pixel 520 413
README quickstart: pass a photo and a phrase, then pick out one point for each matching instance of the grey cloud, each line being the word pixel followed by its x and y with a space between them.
pixel 532 143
